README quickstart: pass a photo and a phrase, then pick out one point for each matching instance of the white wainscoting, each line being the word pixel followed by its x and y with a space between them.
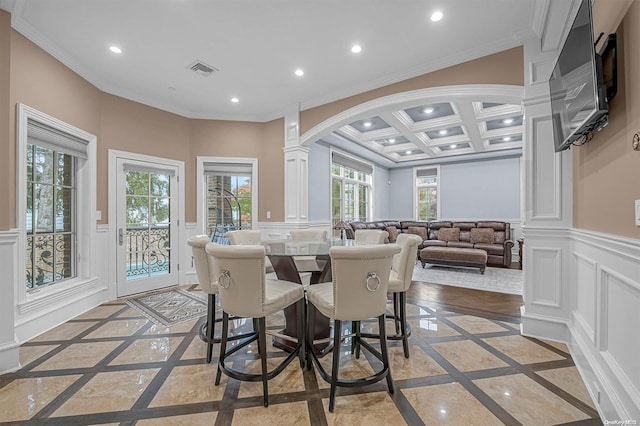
pixel 280 230
pixel 9 351
pixel 187 267
pixel 605 336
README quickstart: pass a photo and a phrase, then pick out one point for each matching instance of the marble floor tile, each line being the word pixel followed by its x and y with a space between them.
pixel 100 312
pixel 448 404
pixel 148 350
pixel 200 419
pixel 29 354
pixel 568 379
pixel 23 398
pixel 529 402
pixel 349 368
pixel 476 325
pixel 117 328
pixel 431 327
pixel 466 355
pixel 522 350
pixel 113 391
pixel 376 408
pixel 557 345
pixel 293 413
pixel 198 349
pixel 190 384
pixel 289 380
pixel 183 327
pixel 64 331
pixel 79 355
pixel 419 364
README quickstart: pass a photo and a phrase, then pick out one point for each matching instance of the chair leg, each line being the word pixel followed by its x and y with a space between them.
pixel 384 352
pixel 223 345
pixel 396 308
pixel 403 322
pixel 337 334
pixel 262 349
pixel 310 335
pixel 301 332
pixel 256 328
pixel 211 325
pixel 356 338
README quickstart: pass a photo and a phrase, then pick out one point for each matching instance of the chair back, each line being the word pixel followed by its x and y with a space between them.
pixel 244 237
pixel 308 235
pixel 203 263
pixel 405 261
pixel 360 280
pixel 239 271
pixel 371 236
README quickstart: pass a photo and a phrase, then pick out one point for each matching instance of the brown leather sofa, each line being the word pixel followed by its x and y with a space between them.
pixel 492 236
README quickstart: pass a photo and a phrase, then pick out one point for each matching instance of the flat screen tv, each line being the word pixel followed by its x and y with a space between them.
pixel 578 94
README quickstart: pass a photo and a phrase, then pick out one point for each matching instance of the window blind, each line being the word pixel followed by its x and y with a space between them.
pixel 47 137
pixel 426 172
pixel 351 163
pixel 228 169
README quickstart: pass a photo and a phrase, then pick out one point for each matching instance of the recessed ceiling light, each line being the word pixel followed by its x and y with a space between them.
pixel 408 152
pixel 299 72
pixel 443 131
pixel 356 48
pixel 367 124
pixel 235 100
pixel 507 120
pixel 115 49
pixel 392 140
pixel 428 110
pixel 436 16
pixel 506 138
pixel 452 146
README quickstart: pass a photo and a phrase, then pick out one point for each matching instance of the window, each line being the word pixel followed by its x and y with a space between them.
pixel 427 194
pixel 228 194
pixel 56 200
pixel 351 183
pixel 50 216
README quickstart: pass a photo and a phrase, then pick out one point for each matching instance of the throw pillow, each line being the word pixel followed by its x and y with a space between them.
pixel 449 234
pixel 419 231
pixel 393 233
pixel 481 235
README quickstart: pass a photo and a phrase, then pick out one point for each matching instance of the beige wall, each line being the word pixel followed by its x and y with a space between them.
pixel 6 146
pixel 505 67
pixel 244 139
pixel 607 170
pixel 133 127
pixel 31 76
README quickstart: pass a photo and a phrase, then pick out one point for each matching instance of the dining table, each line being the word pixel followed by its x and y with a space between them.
pixel 290 260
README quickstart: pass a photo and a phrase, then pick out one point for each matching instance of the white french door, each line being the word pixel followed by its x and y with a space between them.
pixel 147 197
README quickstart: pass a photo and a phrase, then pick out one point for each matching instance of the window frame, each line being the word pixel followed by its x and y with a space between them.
pixel 201 187
pixel 356 184
pixel 416 206
pixel 85 248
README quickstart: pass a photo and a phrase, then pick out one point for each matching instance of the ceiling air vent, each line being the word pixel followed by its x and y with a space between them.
pixel 202 68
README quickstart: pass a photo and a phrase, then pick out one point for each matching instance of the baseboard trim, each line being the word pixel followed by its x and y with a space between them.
pixel 542 327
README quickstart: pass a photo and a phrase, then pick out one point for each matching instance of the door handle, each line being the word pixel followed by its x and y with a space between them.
pixel 120 236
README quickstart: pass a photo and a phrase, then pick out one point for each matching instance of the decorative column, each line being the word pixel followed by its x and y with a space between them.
pixel 296 172
pixel 548 195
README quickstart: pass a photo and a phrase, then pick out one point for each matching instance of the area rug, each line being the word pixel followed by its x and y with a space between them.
pixel 171 307
pixel 500 280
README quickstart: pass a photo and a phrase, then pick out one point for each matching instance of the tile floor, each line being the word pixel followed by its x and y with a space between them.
pixel 113 366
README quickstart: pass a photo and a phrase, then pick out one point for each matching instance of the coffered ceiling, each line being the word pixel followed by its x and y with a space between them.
pixel 255 60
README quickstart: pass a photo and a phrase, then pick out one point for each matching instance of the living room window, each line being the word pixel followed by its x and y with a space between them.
pixel 427 188
pixel 56 208
pixel 351 188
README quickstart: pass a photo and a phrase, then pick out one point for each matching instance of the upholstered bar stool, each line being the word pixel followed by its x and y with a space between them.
pixel 399 282
pixel 371 236
pixel 245 291
pixel 244 237
pixel 358 292
pixel 208 285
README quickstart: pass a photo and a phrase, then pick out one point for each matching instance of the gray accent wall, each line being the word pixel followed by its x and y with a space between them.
pixel 481 189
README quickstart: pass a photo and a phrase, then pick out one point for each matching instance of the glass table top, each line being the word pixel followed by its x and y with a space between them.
pixel 306 248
